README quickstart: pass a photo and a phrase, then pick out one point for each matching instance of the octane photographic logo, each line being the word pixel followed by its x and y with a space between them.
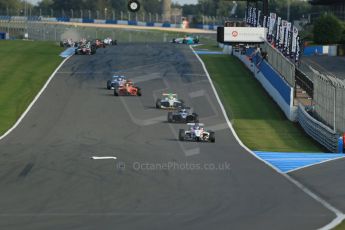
pixel 174 166
pixel 234 33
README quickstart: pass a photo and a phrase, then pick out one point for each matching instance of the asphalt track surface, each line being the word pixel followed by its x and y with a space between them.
pixel 327 180
pixel 333 66
pixel 48 180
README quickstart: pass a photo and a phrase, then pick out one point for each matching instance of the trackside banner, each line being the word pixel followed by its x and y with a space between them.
pixel 278 30
pixel 294 40
pixel 245 34
pixel 273 17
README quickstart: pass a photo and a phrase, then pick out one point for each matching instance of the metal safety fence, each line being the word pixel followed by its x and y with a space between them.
pixel 280 63
pixel 45 31
pixel 329 100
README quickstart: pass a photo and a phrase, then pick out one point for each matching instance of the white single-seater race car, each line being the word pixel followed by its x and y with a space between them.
pixel 183 115
pixel 109 41
pixel 169 102
pixel 116 81
pixel 196 132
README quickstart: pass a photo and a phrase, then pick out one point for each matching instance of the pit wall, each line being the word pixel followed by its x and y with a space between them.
pixel 281 92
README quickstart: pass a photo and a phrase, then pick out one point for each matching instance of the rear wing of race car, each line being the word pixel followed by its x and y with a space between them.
pixel 192 124
pixel 169 94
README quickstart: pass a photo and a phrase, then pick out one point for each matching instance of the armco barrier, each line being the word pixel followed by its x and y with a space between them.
pixel 317 130
pixel 273 83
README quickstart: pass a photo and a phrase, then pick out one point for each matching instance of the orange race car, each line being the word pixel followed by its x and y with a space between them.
pixel 127 89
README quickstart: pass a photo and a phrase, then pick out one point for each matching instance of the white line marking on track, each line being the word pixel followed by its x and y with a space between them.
pixel 35 99
pixel 307 166
pixel 339 215
pixel 103 158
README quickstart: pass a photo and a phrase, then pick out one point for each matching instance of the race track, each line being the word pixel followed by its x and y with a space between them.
pixel 48 180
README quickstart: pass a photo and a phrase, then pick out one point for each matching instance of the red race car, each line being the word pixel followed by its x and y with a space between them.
pixel 128 89
pixel 99 43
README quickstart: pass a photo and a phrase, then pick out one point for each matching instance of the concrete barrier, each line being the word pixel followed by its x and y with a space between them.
pixel 227 49
pixel 110 21
pixel 142 23
pixel 78 20
pixel 98 21
pixel 156 24
pixel 88 20
pixel 122 22
pixel 280 91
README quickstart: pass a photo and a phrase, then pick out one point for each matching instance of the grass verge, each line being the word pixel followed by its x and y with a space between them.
pixel 340 226
pixel 257 119
pixel 24 68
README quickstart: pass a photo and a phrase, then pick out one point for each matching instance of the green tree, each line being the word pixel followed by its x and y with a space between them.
pixel 327 29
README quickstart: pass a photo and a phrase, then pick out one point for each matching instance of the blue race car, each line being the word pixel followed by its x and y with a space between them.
pixel 183 115
pixel 116 81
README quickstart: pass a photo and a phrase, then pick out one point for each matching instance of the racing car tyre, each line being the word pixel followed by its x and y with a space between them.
pixel 158 103
pixel 212 137
pixel 116 93
pixel 181 135
pixel 170 117
pixel 192 119
pixel 139 92
pixel 196 118
pixel 108 84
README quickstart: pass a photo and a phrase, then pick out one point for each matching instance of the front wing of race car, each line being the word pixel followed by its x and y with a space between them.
pixel 205 136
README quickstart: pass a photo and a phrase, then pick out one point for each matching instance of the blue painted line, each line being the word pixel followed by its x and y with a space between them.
pixel 68 52
pixel 286 162
pixel 209 52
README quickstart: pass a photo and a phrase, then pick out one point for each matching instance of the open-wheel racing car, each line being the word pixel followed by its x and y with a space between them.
pixel 127 89
pixel 98 43
pixel 110 42
pixel 196 133
pixel 183 115
pixel 188 39
pixel 169 102
pixel 116 81
pixel 68 43
pixel 85 49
